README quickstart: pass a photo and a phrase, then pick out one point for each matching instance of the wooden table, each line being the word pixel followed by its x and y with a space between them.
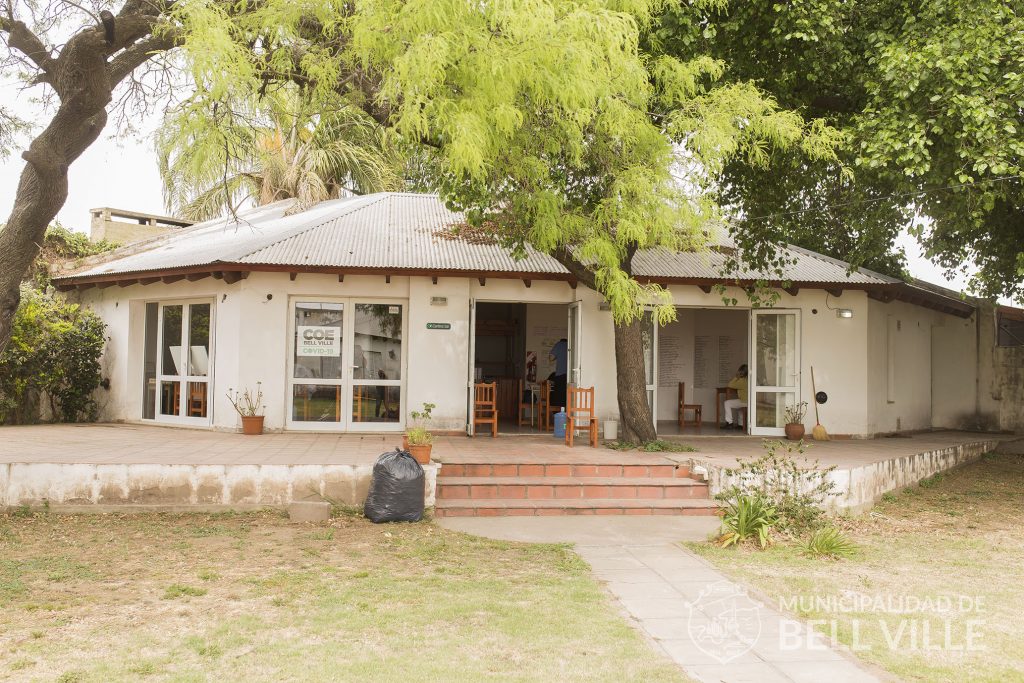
pixel 722 394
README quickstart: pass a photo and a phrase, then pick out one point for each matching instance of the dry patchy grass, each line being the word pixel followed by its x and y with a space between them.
pixel 251 597
pixel 958 534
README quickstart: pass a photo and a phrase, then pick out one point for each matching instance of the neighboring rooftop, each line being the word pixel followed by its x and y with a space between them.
pixel 412 234
pixel 124 227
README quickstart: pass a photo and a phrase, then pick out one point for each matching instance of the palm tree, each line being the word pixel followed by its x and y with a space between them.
pixel 278 149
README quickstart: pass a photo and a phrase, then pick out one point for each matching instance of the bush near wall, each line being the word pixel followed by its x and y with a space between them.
pixel 53 357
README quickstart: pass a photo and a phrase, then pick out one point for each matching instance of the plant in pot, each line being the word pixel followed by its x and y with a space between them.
pixel 795 421
pixel 249 405
pixel 417 439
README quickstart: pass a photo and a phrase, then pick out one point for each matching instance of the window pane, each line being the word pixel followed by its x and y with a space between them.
pixel 199 340
pixel 196 406
pixel 771 408
pixel 376 403
pixel 377 342
pixel 776 350
pixel 318 342
pixel 316 403
pixel 170 348
pixel 170 397
pixel 149 362
pixel 647 332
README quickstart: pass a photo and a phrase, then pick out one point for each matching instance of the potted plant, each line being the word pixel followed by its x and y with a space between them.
pixel 249 406
pixel 795 421
pixel 417 439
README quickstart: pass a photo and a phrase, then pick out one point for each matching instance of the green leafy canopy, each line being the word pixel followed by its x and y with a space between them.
pixel 549 122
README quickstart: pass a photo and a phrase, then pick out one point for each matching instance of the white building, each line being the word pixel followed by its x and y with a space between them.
pixel 356 311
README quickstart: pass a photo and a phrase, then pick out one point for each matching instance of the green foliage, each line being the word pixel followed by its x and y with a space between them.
pixel 53 355
pixel 928 98
pixel 798 491
pixel 656 446
pixel 748 518
pixel 547 122
pixel 829 542
pixel 418 436
pixel 62 245
pixel 268 148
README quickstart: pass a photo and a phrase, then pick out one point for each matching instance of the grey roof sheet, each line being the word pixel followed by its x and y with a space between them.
pixel 400 231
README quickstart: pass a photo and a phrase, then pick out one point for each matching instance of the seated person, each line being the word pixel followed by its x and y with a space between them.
pixel 732 406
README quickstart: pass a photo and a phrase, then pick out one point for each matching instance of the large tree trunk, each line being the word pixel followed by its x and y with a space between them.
pixel 631 384
pixel 83 75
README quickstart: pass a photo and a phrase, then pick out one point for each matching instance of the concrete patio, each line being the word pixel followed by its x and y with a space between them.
pixel 99 464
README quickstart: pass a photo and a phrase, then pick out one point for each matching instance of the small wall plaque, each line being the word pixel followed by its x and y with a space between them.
pixel 439 326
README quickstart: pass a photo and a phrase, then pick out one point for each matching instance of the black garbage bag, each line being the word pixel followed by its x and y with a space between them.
pixel 396 490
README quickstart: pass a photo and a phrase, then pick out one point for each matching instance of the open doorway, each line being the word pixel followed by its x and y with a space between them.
pixel 512 348
pixel 698 356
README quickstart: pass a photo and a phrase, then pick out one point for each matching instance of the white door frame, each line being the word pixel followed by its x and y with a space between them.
pixel 183 378
pixel 471 381
pixel 652 386
pixel 753 388
pixel 347 381
pixel 574 340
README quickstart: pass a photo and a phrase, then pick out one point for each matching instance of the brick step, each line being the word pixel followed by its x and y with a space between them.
pixel 591 506
pixel 540 488
pixel 665 470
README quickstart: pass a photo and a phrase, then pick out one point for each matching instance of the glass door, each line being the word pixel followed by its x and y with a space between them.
pixel 574 338
pixel 347 365
pixel 183 355
pixel 376 365
pixel 775 369
pixel 470 391
pixel 317 374
pixel 649 332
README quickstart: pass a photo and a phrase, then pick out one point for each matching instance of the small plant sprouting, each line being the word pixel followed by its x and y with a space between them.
pixel 795 413
pixel 829 542
pixel 248 403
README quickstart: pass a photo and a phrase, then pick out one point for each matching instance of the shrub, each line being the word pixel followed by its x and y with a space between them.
pixel 797 491
pixel 829 542
pixel 54 356
pixel 748 517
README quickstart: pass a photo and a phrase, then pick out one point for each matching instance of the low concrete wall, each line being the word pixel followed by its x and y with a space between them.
pixel 164 486
pixel 860 487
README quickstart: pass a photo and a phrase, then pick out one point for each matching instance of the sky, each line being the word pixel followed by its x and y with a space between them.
pixel 122 173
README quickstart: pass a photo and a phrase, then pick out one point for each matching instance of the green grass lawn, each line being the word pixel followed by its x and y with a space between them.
pixel 251 597
pixel 958 534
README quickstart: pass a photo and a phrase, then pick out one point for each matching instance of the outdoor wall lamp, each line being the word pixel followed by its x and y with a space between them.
pixel 844 313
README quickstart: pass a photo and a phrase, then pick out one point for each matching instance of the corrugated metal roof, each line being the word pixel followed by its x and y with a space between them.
pixel 401 231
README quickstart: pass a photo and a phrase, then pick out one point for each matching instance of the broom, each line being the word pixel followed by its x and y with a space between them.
pixel 818 432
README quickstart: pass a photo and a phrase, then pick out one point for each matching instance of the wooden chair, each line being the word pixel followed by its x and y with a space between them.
pixel 485 407
pixel 197 399
pixel 581 414
pixel 546 410
pixel 742 413
pixel 697 408
pixel 524 403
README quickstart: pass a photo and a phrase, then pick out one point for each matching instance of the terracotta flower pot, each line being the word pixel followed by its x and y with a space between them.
pixel 252 424
pixel 420 451
pixel 794 431
pixel 405 442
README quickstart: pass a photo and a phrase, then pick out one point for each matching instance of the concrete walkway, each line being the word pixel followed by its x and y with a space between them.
pixel 706 623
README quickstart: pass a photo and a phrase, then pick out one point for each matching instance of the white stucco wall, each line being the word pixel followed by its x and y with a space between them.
pixel 251 344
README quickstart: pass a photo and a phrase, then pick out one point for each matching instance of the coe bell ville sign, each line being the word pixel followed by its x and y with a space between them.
pixel 314 340
pixel 439 326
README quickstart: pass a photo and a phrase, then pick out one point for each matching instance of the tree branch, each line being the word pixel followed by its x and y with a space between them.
pixel 21 38
pixel 135 55
pixel 583 274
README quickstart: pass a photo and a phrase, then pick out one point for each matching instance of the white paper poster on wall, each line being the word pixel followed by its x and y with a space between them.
pixel 726 359
pixel 701 350
pixel 670 360
pixel 315 340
